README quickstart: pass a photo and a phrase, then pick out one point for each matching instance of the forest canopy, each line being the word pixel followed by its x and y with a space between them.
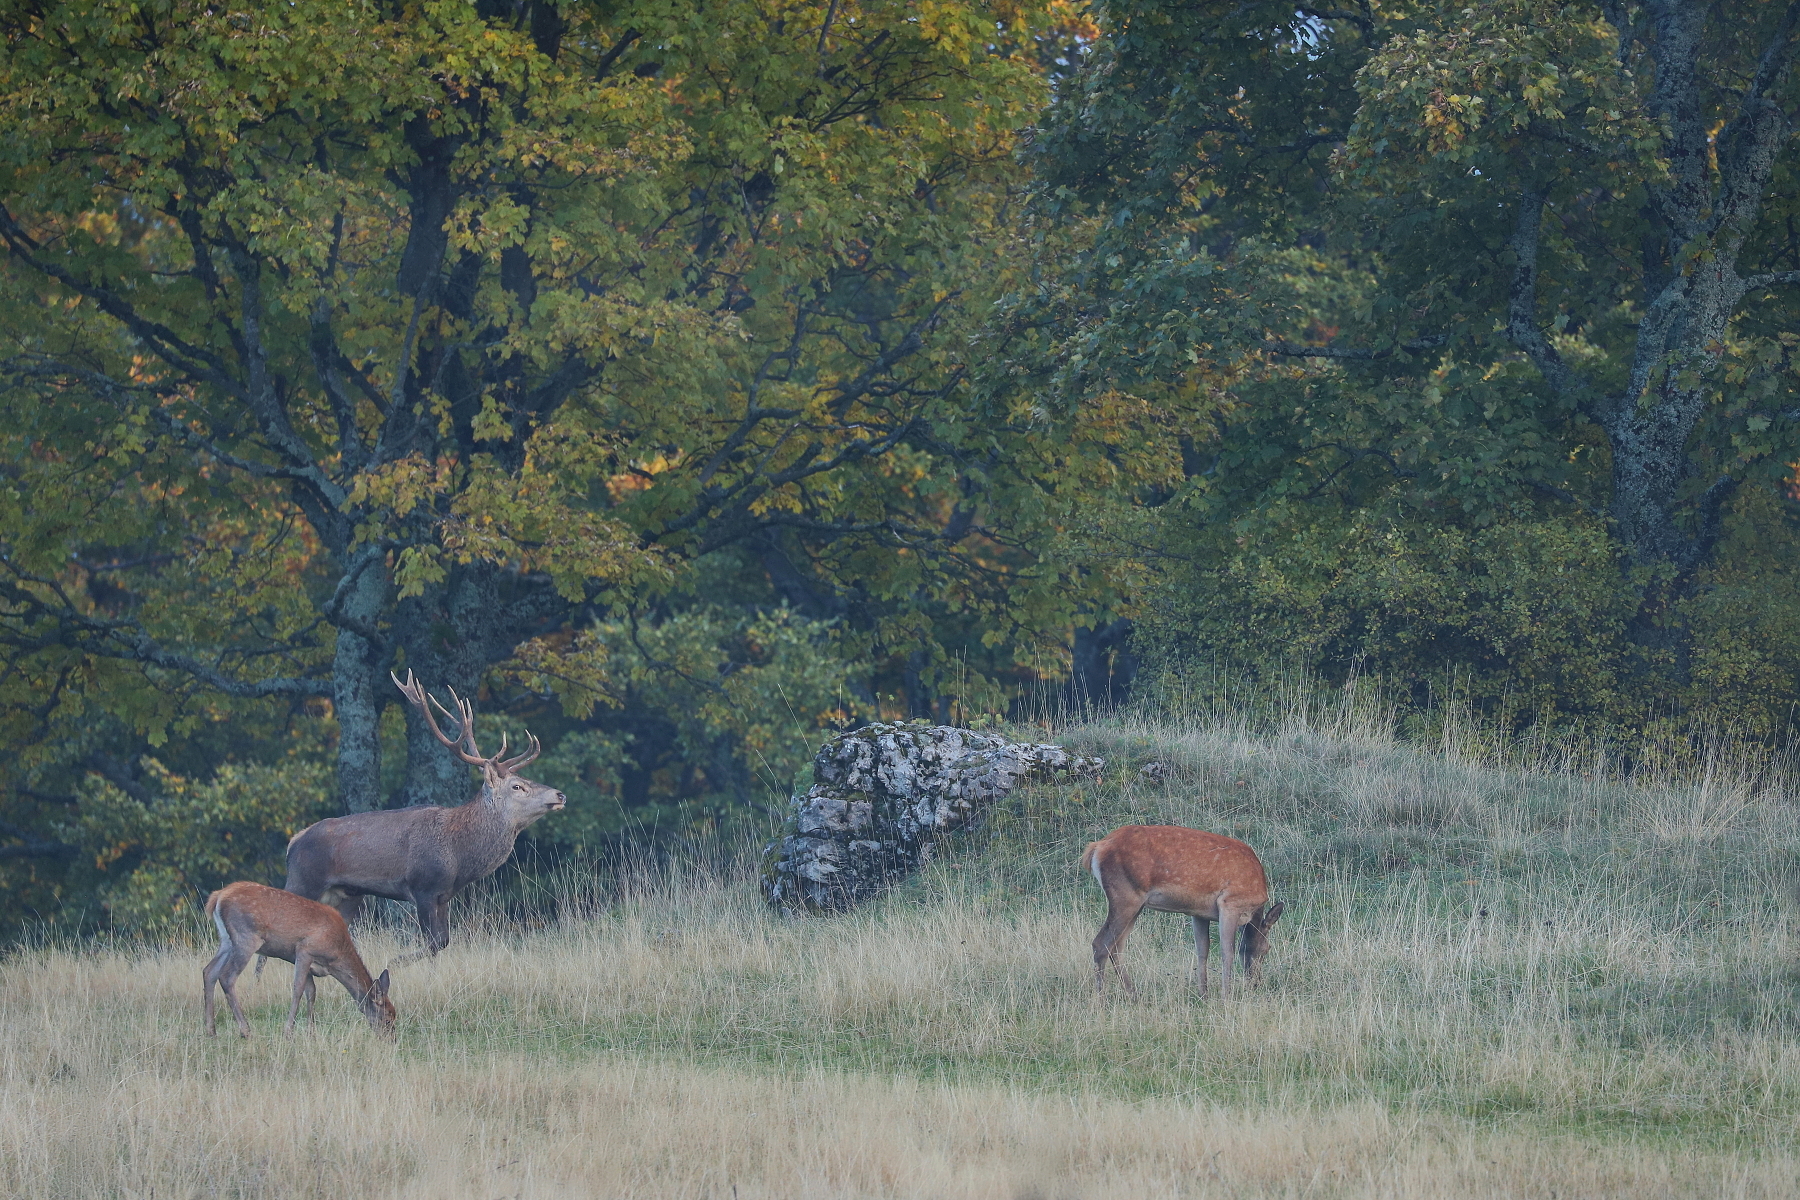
pixel 686 382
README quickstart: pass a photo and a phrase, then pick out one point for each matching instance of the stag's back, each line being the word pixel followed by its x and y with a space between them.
pixel 369 850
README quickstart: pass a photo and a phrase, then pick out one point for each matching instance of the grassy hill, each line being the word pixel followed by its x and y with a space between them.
pixel 1490 982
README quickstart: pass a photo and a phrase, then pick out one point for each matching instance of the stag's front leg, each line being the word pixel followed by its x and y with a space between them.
pixel 1202 947
pixel 434 921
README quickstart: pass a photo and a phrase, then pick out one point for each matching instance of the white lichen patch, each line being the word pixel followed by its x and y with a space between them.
pixel 885 794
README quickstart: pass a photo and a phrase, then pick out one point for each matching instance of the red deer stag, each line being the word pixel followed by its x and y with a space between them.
pixel 254 919
pixel 426 854
pixel 1170 869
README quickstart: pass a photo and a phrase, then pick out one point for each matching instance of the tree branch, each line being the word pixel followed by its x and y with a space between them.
pixel 164 342
pixel 129 641
pixel 1521 313
pixel 1356 353
pixel 119 775
pixel 36 849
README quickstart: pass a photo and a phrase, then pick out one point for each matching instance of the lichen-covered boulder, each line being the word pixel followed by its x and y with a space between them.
pixel 882 797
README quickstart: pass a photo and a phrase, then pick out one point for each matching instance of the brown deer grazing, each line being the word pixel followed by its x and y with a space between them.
pixel 1170 869
pixel 254 919
pixel 422 855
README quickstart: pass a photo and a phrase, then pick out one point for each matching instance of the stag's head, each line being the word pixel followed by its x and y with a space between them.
pixel 520 800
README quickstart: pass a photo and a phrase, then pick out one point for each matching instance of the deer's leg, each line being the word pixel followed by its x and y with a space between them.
pixel 311 991
pixel 228 973
pixel 1121 914
pixel 349 908
pixel 1229 924
pixel 210 978
pixel 434 921
pixel 1202 947
pixel 302 982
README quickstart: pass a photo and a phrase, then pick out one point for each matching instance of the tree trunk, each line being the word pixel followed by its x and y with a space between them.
pixel 357 677
pixel 450 635
pixel 1101 666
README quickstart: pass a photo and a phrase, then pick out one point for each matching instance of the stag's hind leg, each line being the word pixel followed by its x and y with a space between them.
pixel 1121 914
pixel 349 907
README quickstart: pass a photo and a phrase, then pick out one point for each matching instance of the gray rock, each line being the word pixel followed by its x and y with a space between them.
pixel 883 796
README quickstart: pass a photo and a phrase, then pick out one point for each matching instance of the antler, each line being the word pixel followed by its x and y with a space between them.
pixel 465 718
pixel 513 764
pixel 464 742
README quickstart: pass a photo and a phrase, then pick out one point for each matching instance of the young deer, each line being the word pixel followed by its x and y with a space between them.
pixel 254 919
pixel 423 855
pixel 1170 869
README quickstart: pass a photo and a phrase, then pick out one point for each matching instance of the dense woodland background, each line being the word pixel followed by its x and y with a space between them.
pixel 688 381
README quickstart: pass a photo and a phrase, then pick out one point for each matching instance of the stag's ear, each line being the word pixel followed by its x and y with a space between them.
pixel 491 773
pixel 1274 914
pixel 381 985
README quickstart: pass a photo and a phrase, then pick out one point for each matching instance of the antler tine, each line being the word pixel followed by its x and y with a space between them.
pixel 423 700
pixel 507 768
pixel 466 719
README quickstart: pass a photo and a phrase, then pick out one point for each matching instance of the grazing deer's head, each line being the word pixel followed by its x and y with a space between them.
pixel 1255 942
pixel 518 799
pixel 377 1007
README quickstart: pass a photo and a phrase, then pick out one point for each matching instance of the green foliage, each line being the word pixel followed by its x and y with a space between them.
pixel 1467 332
pixel 460 337
pixel 159 849
pixel 703 718
pixel 1527 612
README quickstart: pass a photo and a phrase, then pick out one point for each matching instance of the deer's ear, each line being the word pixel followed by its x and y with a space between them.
pixel 381 985
pixel 491 773
pixel 1274 913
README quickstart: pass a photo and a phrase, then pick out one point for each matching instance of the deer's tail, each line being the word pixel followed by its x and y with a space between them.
pixel 1089 864
pixel 212 904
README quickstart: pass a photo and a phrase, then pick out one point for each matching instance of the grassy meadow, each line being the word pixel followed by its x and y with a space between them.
pixel 1536 981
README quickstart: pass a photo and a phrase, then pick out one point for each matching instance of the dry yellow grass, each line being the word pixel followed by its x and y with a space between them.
pixel 110 1091
pixel 1491 984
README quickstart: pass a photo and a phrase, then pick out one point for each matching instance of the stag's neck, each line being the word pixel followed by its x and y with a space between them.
pixel 485 833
